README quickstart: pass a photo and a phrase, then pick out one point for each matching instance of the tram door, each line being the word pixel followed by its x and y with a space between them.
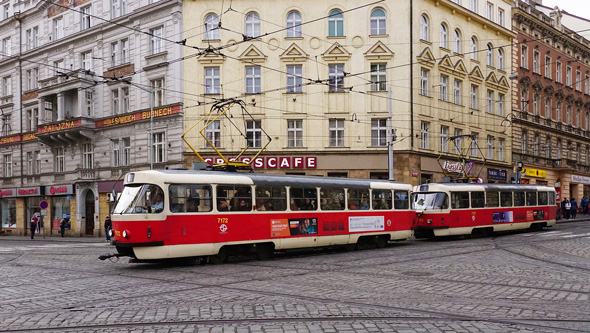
pixel 89 205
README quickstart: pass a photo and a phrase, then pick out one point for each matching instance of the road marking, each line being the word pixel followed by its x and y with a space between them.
pixel 576 235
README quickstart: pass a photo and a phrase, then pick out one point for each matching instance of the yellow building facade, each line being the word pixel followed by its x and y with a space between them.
pixel 316 77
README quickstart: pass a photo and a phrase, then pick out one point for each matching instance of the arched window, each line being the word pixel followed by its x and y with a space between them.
pixel 568 114
pixel 336 24
pixel 587 121
pixel 501 59
pixel 489 58
pixel 294 24
pixel 253 25
pixel 524 94
pixel 378 22
pixel 444 39
pixel 211 27
pixel 577 121
pixel 457 42
pixel 558 111
pixel 473 48
pixel 424 28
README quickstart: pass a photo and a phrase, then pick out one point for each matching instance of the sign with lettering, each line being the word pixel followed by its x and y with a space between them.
pixel 29 136
pixel 271 162
pixel 28 191
pixel 453 167
pixel 536 173
pixel 143 115
pixel 59 190
pixel 62 126
pixel 10 139
pixel 7 193
pixel 497 174
pixel 580 179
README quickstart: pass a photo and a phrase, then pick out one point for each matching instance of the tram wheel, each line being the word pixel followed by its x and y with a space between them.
pixel 381 241
pixel 219 258
pixel 264 251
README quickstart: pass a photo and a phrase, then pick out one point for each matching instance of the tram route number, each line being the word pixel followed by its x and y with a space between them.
pixel 222 220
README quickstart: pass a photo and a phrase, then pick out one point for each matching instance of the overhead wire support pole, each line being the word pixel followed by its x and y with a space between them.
pixel 390 139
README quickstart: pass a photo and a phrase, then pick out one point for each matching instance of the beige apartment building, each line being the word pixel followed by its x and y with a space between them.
pixel 315 76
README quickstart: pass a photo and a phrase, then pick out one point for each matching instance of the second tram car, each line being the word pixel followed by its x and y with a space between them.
pixel 173 214
pixel 448 209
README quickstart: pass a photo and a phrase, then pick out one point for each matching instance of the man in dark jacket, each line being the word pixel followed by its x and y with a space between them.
pixel 574 208
pixel 107 227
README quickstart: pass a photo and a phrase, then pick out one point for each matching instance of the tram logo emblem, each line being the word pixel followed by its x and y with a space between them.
pixel 223 228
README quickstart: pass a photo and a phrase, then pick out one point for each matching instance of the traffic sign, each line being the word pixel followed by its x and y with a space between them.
pixel 43 204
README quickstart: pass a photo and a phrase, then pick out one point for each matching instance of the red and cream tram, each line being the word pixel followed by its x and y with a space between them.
pixel 448 209
pixel 174 214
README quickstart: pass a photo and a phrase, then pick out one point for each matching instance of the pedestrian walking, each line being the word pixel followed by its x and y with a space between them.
pixel 574 208
pixel 568 207
pixel 108 225
pixel 584 204
pixel 563 211
pixel 63 225
pixel 33 225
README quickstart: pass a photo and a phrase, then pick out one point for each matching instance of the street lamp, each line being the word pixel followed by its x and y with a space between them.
pixel 151 143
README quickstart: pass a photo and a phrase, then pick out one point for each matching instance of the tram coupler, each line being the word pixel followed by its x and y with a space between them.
pixel 109 256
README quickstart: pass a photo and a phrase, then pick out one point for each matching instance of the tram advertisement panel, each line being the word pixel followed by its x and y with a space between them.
pixel 366 223
pixel 294 227
pixel 501 217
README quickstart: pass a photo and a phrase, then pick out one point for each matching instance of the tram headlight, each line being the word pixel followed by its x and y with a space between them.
pixel 429 221
pixel 110 232
pixel 125 234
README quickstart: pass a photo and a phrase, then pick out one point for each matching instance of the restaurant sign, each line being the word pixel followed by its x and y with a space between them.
pixel 271 162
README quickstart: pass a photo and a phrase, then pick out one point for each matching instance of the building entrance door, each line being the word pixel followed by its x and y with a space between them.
pixel 89 205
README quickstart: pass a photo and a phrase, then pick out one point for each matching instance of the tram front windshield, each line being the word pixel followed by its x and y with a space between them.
pixel 430 201
pixel 140 198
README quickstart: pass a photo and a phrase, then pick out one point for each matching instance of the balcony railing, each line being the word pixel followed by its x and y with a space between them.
pixel 86 173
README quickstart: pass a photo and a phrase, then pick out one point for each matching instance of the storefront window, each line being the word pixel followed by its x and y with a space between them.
pixel 8 211
pixel 60 208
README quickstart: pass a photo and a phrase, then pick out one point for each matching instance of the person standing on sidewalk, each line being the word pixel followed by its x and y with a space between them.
pixel 584 204
pixel 107 227
pixel 563 211
pixel 33 226
pixel 568 207
pixel 574 208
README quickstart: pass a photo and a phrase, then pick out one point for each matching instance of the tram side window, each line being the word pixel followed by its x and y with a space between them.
pixel 190 198
pixel 519 199
pixel 543 199
pixel 140 199
pixel 531 198
pixel 477 199
pixel 401 200
pixel 234 197
pixel 552 198
pixel 460 199
pixel 382 199
pixel 506 199
pixel 303 198
pixel 332 199
pixel 358 199
pixel 271 198
pixel 493 199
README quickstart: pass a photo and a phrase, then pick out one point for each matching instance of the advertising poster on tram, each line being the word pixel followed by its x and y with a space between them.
pixel 366 223
pixel 294 227
pixel 501 217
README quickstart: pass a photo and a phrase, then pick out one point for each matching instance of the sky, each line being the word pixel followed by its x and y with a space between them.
pixel 576 7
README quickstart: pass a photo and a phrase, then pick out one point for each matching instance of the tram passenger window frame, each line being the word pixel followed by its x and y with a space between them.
pixel 355 197
pixel 381 199
pixel 519 199
pixel 274 198
pixel 332 198
pixel 303 198
pixel 190 198
pixel 531 198
pixel 506 199
pixel 478 199
pixel 401 199
pixel 493 199
pixel 232 195
pixel 459 200
pixel 543 198
pixel 552 199
pixel 139 199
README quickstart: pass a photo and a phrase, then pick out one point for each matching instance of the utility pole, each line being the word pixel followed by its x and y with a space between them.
pixel 390 138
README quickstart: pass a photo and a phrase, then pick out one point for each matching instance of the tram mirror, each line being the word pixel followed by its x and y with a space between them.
pixel 114 195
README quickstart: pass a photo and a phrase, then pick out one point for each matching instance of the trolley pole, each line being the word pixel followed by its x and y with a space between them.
pixel 390 139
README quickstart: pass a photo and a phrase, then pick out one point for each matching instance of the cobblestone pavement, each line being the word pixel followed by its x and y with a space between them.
pixel 521 282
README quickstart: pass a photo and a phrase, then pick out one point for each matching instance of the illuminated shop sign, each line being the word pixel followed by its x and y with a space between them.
pixel 272 162
pixel 143 115
pixel 59 189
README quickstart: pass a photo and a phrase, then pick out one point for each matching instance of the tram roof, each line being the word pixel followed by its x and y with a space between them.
pixel 485 187
pixel 221 177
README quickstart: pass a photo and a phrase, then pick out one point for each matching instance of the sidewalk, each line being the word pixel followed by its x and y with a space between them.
pixel 54 238
pixel 579 218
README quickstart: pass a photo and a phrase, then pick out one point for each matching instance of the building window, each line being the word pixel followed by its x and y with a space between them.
pixel 548 107
pixel 116 152
pixel 558 111
pixel 424 135
pixel 458 141
pixel 378 22
pixel 501 16
pixel 7 86
pixel 253 80
pixel 336 130
pixel 578 81
pixel 158 151
pixel 489 57
pixel 587 119
pixel 7 169
pixel 568 114
pixel 457 91
pixel 295 133
pixel 86 59
pixel 523 143
pixel 443 88
pixel 58 29
pixel 336 24
pixel 501 59
pixel 490 11
pixel 500 149
pixel 444 43
pixel 60 157
pixel 125 100
pixel 87 156
pixel 474 145
pixel 253 25
pixel 114 53
pixel 587 84
pixel 524 58
pixel 474 6
pixel 213 133
pixel 424 28
pixel 424 82
pixel 548 146
pixel 523 99
pixel 156 43
pixel 115 101
pixel 378 77
pixel 490 102
pixel 474 97
pixel 536 144
pixel 558 75
pixel 294 79
pixel 444 139
pixel 158 91
pixel 568 76
pixel 254 133
pixel 211 27
pixel 379 132
pixel 536 57
pixel 473 49
pixel 490 147
pixel 548 67
pixel 212 83
pixel 30 163
pixel 558 150
pixel 293 24
pixel 336 78
pixel 126 160
pixel 86 14
pixel 500 105
pixel 457 42
pixel 123 7
pixel 536 104
pixel 114 9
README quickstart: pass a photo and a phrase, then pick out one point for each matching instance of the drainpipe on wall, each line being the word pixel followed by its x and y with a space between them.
pixel 411 75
